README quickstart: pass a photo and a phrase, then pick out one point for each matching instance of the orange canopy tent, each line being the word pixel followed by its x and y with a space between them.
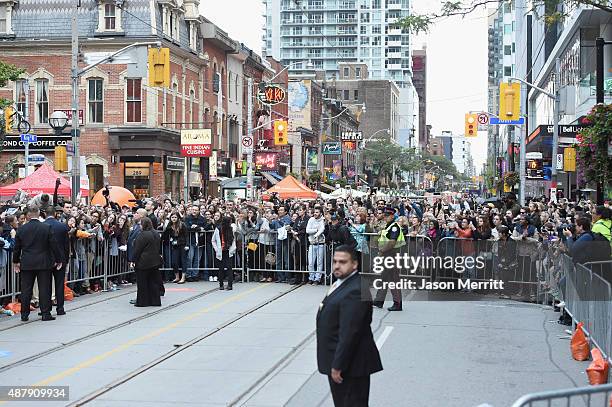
pixel 41 181
pixel 118 195
pixel 289 187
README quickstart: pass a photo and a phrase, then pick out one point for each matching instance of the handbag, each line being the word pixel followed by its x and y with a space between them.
pixel 252 246
pixel 270 258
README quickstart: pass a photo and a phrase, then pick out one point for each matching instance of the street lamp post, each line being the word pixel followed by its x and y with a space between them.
pixel 556 108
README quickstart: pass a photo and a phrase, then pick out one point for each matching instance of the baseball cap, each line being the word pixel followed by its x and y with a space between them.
pixel 389 210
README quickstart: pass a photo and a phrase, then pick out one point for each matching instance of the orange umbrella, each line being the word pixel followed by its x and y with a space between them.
pixel 119 195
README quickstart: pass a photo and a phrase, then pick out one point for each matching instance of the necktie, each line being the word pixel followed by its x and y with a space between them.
pixel 333 287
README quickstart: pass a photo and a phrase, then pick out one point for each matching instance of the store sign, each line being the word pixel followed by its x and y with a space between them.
pixel 351 136
pixel 196 143
pixel 212 166
pixel 175 164
pixel 136 171
pixel 272 95
pixel 332 148
pixel 43 143
pixel 266 161
pixel 535 169
pixel 349 145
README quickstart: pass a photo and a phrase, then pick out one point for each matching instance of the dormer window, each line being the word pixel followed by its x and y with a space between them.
pixel 109 17
pixel 6 11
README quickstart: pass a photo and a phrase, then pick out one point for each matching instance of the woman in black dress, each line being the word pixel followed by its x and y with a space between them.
pixel 148 260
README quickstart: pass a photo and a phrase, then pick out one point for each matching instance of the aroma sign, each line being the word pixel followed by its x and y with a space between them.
pixel 272 95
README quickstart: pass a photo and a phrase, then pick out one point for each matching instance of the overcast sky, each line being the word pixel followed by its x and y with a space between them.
pixel 456 64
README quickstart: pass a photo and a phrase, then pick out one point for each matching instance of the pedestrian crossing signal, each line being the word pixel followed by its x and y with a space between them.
pixel 61 160
pixel 471 125
pixel 159 67
pixel 509 101
pixel 280 133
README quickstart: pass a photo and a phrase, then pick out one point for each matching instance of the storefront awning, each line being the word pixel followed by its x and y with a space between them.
pixel 276 175
pixel 270 178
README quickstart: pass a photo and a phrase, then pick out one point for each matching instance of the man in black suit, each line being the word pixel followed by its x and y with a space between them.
pixel 346 351
pixel 34 256
pixel 60 235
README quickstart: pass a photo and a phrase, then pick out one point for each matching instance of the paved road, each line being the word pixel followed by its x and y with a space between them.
pixel 254 346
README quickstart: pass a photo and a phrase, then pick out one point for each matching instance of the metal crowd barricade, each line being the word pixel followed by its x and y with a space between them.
pixel 9 280
pixel 588 299
pixel 415 247
pixel 88 265
pixel 200 258
pixel 268 258
pixel 575 397
pixel 518 264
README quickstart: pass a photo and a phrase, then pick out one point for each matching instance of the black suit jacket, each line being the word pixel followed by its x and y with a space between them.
pixel 60 234
pixel 344 336
pixel 35 247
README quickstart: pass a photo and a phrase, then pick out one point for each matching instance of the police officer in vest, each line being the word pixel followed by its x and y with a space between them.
pixel 390 242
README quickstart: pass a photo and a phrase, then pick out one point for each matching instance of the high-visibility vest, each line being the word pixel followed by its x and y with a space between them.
pixel 383 239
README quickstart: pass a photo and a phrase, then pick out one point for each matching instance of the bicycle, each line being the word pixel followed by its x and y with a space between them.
pixel 23 126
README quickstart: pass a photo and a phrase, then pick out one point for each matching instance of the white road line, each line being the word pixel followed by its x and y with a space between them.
pixel 383 337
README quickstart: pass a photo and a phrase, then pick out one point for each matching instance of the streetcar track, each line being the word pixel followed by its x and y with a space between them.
pixel 106 298
pixel 137 372
pixel 76 341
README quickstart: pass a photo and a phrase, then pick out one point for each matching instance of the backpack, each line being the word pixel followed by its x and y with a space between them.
pixel 601 247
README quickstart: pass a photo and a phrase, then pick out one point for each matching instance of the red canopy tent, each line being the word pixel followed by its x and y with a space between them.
pixel 289 187
pixel 41 181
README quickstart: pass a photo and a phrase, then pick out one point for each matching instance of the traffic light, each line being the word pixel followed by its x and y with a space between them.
pixel 280 133
pixel 60 163
pixel 8 118
pixel 509 101
pixel 471 125
pixel 159 67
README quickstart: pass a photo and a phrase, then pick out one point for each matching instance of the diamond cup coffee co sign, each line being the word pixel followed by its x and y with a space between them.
pixel 196 143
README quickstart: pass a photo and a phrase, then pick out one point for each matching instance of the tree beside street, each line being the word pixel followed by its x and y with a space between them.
pixel 552 13
pixel 8 73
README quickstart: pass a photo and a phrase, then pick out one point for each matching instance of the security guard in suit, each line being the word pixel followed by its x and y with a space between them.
pixel 390 242
pixel 346 351
pixel 34 256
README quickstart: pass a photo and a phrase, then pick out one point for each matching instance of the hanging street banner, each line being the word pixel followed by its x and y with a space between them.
pixel 196 143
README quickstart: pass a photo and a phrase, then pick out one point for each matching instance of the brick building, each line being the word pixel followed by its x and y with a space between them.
pixel 130 132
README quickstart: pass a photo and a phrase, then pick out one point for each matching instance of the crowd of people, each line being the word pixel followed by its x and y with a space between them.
pixel 286 241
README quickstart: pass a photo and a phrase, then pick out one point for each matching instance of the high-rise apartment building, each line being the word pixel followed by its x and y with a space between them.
pixel 502 65
pixel 326 32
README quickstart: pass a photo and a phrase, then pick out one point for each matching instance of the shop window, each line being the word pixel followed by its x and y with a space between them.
pixel 136 179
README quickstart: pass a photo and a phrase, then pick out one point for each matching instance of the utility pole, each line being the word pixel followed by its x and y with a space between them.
pixel 557 103
pixel 250 178
pixel 76 159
